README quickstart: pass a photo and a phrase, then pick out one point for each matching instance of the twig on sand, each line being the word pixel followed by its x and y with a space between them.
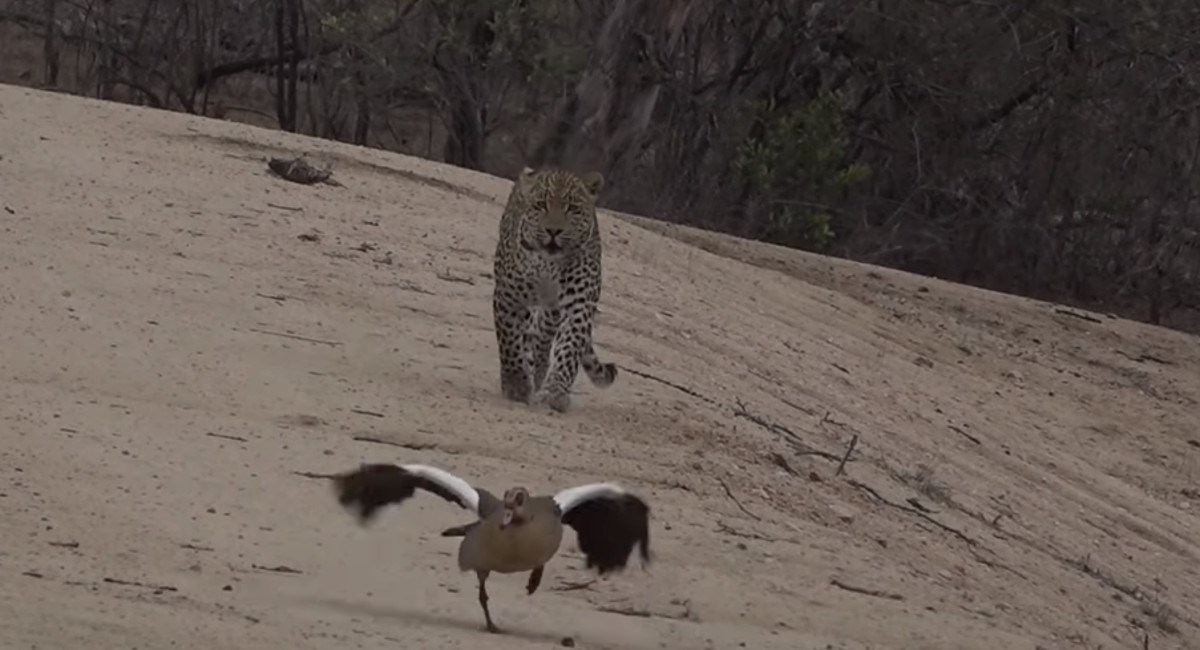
pixel 573 586
pixel 134 583
pixel 723 527
pixel 225 436
pixel 196 547
pixel 802 448
pixel 966 435
pixel 679 387
pixel 296 337
pixel 1074 314
pixel 448 277
pixel 642 613
pixel 315 475
pixel 415 446
pixel 1143 357
pixel 278 297
pixel 845 457
pixel 729 492
pixel 281 568
pixel 864 591
pixel 899 506
pixel 626 611
pixel 827 419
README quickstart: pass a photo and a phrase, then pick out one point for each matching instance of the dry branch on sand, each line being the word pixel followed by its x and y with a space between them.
pixel 299 170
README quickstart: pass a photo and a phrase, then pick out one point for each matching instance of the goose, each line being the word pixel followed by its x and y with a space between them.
pixel 517 532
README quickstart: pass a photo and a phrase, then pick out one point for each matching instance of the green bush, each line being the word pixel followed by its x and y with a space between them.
pixel 797 166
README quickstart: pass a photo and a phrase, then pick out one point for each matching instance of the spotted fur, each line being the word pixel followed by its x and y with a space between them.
pixel 547 275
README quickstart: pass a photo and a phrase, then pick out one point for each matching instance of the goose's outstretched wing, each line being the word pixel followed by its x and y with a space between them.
pixel 375 485
pixel 608 522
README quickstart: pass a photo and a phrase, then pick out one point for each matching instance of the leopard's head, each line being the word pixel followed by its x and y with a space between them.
pixel 559 208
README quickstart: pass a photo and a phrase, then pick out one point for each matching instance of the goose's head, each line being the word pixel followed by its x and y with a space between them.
pixel 514 507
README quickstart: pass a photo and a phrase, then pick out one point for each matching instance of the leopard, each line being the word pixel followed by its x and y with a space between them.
pixel 547 278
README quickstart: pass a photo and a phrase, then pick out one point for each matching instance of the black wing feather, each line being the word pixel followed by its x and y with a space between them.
pixel 375 485
pixel 608 528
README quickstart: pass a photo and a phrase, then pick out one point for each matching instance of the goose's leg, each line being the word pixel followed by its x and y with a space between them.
pixel 483 601
pixel 535 579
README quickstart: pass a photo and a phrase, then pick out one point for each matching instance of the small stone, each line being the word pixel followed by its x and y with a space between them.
pixel 842 513
pixel 567 642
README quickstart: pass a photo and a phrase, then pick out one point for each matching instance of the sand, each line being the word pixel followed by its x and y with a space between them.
pixel 183 334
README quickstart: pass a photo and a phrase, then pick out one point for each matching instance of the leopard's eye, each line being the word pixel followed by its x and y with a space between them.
pixel 541 206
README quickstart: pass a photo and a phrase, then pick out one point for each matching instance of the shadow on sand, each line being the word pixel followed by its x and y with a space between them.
pixel 419 617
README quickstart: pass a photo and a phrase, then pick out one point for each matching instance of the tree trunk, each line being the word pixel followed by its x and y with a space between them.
pixel 50 46
pixel 362 119
pixel 466 140
pixel 287 25
pixel 293 79
pixel 613 103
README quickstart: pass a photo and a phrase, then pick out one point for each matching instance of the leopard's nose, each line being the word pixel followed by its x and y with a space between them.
pixel 554 233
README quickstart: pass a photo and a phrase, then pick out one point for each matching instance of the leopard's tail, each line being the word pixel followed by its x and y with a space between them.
pixel 602 374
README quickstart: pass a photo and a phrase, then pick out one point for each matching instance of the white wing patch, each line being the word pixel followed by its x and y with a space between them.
pixel 467 494
pixel 571 497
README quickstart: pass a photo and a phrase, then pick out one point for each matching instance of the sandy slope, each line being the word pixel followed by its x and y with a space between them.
pixel 1041 471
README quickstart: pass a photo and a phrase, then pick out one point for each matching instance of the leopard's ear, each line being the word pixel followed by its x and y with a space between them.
pixel 593 181
pixel 526 174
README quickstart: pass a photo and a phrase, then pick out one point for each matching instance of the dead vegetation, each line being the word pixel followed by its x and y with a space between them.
pixel 1046 149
